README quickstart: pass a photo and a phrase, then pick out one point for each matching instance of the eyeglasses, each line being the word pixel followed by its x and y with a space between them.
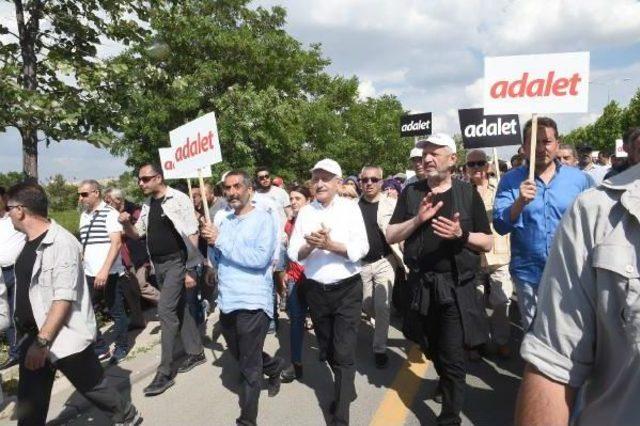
pixel 478 164
pixel 263 177
pixel 9 208
pixel 146 179
pixel 370 180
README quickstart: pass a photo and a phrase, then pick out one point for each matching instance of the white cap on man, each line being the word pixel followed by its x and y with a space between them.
pixel 328 165
pixel 415 153
pixel 439 139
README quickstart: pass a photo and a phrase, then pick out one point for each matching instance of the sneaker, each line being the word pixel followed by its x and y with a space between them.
pixel 159 384
pixel 192 361
pixel 10 362
pixel 119 353
pixel 291 373
pixel 381 359
pixel 134 418
pixel 103 354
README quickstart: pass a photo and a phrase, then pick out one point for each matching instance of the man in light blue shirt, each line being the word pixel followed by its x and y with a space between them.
pixel 531 210
pixel 244 246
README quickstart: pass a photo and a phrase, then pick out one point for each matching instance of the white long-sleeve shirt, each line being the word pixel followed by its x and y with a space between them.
pixel 344 220
pixel 11 242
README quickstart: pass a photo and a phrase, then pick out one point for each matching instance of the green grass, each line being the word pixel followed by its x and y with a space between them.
pixel 68 219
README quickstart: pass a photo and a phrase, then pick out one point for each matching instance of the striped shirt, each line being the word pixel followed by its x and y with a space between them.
pixel 95 229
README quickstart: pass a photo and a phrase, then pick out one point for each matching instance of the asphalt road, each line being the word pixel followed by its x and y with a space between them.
pixel 396 395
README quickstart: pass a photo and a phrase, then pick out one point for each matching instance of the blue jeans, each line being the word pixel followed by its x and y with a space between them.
pixel 527 302
pixel 114 297
pixel 297 310
pixel 10 281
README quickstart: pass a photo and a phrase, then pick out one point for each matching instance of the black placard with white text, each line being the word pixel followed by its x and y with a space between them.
pixel 415 124
pixel 484 131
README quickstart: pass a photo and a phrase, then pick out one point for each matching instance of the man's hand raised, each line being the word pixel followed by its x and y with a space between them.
pixel 427 209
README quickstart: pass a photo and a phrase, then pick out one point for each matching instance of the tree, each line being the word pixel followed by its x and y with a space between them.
pixel 610 126
pixel 49 69
pixel 275 104
pixel 62 195
pixel 9 179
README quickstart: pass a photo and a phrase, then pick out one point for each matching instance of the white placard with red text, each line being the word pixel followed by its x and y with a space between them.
pixel 168 162
pixel 551 83
pixel 620 152
pixel 196 144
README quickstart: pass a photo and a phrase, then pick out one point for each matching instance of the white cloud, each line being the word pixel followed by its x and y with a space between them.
pixel 366 90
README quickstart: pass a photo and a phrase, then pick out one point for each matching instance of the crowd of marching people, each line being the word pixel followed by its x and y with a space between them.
pixel 436 248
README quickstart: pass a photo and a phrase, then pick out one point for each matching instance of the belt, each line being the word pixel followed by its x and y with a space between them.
pixel 375 259
pixel 7 268
pixel 167 257
pixel 338 284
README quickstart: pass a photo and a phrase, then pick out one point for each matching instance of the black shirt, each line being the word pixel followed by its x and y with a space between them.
pixel 425 250
pixel 378 246
pixel 162 237
pixel 24 269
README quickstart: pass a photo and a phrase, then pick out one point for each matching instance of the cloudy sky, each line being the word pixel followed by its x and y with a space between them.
pixel 428 53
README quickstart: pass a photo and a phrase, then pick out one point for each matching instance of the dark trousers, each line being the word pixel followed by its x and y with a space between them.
pixel 175 317
pixel 336 314
pixel 443 327
pixel 83 371
pixel 10 281
pixel 114 298
pixel 245 331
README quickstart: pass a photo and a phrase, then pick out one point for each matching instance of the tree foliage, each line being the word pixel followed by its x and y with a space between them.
pixel 611 125
pixel 275 103
pixel 50 71
pixel 61 195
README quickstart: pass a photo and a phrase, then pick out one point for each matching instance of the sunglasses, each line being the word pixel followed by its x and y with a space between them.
pixel 473 164
pixel 84 194
pixel 370 180
pixel 146 179
pixel 9 208
pixel 263 177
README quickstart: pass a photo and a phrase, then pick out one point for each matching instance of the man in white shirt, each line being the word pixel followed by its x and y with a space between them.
pixel 415 156
pixel 12 242
pixel 329 239
pixel 101 239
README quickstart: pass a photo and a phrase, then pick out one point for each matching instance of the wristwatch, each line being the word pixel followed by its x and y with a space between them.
pixel 41 342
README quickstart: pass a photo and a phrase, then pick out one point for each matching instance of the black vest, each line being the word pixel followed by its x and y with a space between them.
pixel 466 261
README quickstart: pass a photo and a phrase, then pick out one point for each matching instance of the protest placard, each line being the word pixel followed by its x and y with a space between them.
pixel 620 152
pixel 168 163
pixel 416 124
pixel 197 146
pixel 485 131
pixel 550 83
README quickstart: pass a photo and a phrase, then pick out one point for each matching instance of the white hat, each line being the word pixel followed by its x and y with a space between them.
pixel 439 139
pixel 415 152
pixel 328 165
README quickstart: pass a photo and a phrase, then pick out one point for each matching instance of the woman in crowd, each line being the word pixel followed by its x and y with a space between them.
pixel 296 306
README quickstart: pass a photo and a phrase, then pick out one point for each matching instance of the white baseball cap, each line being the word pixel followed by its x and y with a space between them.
pixel 415 152
pixel 439 139
pixel 328 165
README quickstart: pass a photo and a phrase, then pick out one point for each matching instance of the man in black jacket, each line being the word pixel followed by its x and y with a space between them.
pixel 444 226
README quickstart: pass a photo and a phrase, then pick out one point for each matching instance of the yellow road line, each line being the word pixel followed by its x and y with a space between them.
pixel 395 405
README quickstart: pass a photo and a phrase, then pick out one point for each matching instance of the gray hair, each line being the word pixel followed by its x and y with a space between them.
pixel 93 183
pixel 377 168
pixel 115 193
pixel 246 179
pixel 569 147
